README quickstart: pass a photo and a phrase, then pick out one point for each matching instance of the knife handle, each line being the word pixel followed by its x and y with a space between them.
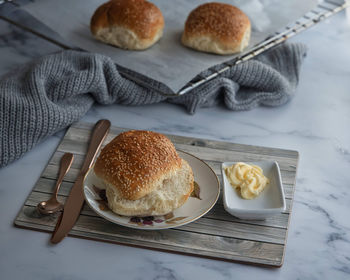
pixel 100 131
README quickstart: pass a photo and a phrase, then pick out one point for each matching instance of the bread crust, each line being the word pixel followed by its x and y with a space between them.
pixel 129 24
pixel 136 162
pixel 170 194
pixel 218 28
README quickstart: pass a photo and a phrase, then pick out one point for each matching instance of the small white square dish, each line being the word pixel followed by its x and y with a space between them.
pixel 271 200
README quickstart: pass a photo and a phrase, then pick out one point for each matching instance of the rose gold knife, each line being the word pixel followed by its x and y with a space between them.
pixel 75 201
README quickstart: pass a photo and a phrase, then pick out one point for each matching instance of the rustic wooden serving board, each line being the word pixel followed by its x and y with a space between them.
pixel 216 235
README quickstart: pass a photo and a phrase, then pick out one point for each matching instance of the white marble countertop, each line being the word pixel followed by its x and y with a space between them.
pixel 315 123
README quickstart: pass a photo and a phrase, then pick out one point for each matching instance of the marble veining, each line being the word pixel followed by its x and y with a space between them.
pixel 315 123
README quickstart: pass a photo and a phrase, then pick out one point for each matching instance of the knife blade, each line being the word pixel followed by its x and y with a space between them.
pixel 75 201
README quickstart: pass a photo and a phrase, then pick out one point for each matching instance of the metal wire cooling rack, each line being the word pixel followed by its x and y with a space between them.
pixel 323 10
pixel 318 14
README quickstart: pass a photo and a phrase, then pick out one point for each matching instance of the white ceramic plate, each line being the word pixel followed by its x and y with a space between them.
pixel 270 202
pixel 193 209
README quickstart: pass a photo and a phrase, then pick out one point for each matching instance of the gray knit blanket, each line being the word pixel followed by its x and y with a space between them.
pixel 52 92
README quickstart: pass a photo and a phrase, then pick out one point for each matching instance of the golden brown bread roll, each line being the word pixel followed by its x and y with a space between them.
pixel 143 174
pixel 128 24
pixel 217 28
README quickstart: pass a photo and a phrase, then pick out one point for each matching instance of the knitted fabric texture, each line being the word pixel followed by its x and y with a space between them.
pixel 56 90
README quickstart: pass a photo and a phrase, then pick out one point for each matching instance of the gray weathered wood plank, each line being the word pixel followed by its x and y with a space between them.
pixel 287 176
pixel 229 248
pixel 121 240
pixel 83 130
pixel 209 226
pixel 216 165
pixel 51 172
pixel 204 153
pixel 45 185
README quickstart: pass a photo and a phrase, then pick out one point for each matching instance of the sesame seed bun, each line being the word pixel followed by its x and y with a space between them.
pixel 128 24
pixel 217 28
pixel 143 174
